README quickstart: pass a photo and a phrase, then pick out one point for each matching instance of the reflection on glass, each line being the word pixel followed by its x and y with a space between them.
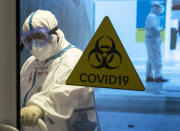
pixel 155 109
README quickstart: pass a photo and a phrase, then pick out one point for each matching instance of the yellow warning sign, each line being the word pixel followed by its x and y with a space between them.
pixel 105 63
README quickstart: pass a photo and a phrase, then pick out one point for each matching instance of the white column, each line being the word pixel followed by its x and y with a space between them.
pixel 168 30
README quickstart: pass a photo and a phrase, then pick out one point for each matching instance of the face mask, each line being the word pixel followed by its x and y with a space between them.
pixel 41 52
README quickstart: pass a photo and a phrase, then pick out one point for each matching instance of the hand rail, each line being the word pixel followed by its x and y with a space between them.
pixel 42 125
pixel 4 126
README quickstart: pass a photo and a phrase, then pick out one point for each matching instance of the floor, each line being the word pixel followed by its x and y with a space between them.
pixel 155 109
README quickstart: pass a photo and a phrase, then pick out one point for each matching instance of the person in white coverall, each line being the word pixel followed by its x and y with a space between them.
pixel 153 44
pixel 44 94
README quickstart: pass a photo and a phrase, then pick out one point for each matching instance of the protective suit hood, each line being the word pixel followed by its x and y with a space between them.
pixel 41 19
pixel 156 7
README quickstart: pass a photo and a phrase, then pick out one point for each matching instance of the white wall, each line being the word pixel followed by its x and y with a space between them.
pixel 8 61
pixel 122 14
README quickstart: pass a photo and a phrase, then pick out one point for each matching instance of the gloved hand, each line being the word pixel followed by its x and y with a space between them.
pixel 30 115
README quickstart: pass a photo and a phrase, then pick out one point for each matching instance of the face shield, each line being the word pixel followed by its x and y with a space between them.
pixel 161 9
pixel 43 34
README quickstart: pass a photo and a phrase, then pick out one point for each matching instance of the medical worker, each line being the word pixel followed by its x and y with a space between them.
pixel 44 94
pixel 153 44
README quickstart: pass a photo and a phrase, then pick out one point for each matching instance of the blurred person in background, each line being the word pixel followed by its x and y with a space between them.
pixel 153 44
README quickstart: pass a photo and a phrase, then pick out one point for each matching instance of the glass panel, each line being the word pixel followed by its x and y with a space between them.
pixel 155 109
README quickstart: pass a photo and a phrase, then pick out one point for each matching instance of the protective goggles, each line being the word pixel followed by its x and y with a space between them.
pixel 37 33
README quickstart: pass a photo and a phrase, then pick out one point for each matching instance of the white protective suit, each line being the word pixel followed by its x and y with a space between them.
pixel 153 43
pixel 43 84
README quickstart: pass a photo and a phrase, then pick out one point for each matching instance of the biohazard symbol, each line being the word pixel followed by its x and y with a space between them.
pixel 105 54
